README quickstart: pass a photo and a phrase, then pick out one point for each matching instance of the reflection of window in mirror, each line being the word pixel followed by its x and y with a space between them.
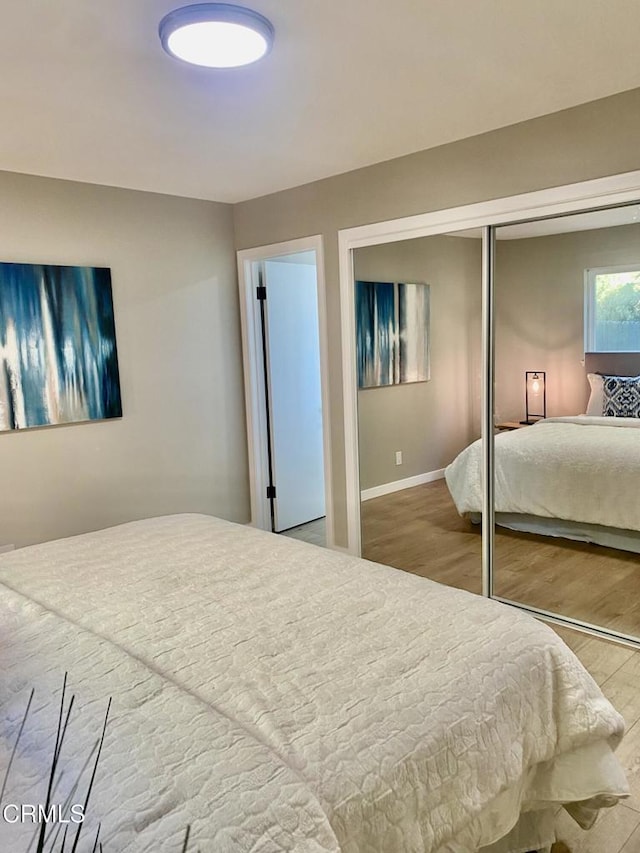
pixel 547 305
pixel 612 309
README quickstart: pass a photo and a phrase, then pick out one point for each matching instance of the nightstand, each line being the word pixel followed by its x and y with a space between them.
pixel 508 425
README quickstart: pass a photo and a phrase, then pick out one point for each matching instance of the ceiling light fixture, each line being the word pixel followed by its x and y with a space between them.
pixel 216 35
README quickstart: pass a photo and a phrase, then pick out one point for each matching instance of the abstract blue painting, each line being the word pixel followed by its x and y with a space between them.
pixel 375 333
pixel 58 357
pixel 392 333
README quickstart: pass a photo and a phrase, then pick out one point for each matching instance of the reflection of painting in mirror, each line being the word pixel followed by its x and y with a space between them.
pixel 392 333
pixel 413 332
pixel 408 433
pixel 375 333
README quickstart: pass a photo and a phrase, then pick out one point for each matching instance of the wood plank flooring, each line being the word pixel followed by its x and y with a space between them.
pixel 314 532
pixel 419 530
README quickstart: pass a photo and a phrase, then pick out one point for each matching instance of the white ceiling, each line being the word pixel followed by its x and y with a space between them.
pixel 87 93
pixel 610 217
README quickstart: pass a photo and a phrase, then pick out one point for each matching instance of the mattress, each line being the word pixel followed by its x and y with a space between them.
pixel 597 534
pixel 275 696
pixel 581 469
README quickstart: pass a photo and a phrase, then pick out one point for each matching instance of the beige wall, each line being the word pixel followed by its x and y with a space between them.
pixel 590 141
pixel 181 444
pixel 539 292
pixel 430 422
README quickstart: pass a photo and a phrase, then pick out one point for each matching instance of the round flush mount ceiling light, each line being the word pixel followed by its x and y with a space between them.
pixel 216 35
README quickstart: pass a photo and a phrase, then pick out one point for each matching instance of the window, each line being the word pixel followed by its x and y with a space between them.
pixel 612 309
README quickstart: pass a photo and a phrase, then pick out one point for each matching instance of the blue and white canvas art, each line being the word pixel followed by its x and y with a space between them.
pixel 58 357
pixel 376 348
pixel 392 333
pixel 413 332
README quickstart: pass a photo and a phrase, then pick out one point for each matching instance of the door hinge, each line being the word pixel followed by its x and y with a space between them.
pixel 271 492
pixel 261 292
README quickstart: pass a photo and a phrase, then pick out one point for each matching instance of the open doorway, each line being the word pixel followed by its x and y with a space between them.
pixel 284 344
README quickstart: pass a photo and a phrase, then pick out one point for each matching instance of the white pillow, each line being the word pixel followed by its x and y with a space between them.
pixel 595 406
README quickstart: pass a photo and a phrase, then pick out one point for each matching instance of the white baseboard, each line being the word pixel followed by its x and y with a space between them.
pixel 399 485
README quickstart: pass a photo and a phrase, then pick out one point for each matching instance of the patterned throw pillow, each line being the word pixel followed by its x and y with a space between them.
pixel 621 397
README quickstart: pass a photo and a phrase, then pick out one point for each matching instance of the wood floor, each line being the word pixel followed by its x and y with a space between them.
pixel 419 530
pixel 314 532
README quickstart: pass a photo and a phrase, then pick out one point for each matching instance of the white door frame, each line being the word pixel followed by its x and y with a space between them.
pixel 254 376
pixel 617 189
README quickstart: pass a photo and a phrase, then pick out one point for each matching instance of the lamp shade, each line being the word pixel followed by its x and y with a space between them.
pixel 535 396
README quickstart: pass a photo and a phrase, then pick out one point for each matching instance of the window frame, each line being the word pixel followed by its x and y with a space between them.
pixel 590 276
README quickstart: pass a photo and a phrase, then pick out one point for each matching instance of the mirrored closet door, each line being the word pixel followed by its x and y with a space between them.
pixel 418 352
pixel 567 443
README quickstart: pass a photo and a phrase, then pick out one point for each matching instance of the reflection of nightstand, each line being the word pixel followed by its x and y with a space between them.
pixel 507 425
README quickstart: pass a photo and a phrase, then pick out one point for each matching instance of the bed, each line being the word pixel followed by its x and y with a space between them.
pixel 574 477
pixel 571 477
pixel 274 696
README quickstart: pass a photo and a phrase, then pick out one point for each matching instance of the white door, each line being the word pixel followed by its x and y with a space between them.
pixel 294 390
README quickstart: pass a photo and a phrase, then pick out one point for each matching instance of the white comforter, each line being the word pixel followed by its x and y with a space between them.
pixel 276 696
pixel 582 468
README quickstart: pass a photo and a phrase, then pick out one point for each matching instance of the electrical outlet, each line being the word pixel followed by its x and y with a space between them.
pixel 398 457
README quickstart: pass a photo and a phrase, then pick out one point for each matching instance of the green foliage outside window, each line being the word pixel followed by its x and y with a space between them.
pixel 618 297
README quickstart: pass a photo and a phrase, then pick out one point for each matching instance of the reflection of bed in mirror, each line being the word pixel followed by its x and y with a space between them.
pixel 571 477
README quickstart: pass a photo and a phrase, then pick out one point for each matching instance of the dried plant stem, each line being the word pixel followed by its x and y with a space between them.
pixel 93 776
pixel 42 835
pixel 186 839
pixel 60 733
pixel 64 841
pixel 55 831
pixel 15 746
pixel 95 843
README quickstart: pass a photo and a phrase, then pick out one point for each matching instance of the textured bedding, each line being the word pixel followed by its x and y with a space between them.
pixel 276 696
pixel 584 469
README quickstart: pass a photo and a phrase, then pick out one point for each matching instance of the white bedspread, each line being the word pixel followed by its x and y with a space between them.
pixel 584 469
pixel 278 696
